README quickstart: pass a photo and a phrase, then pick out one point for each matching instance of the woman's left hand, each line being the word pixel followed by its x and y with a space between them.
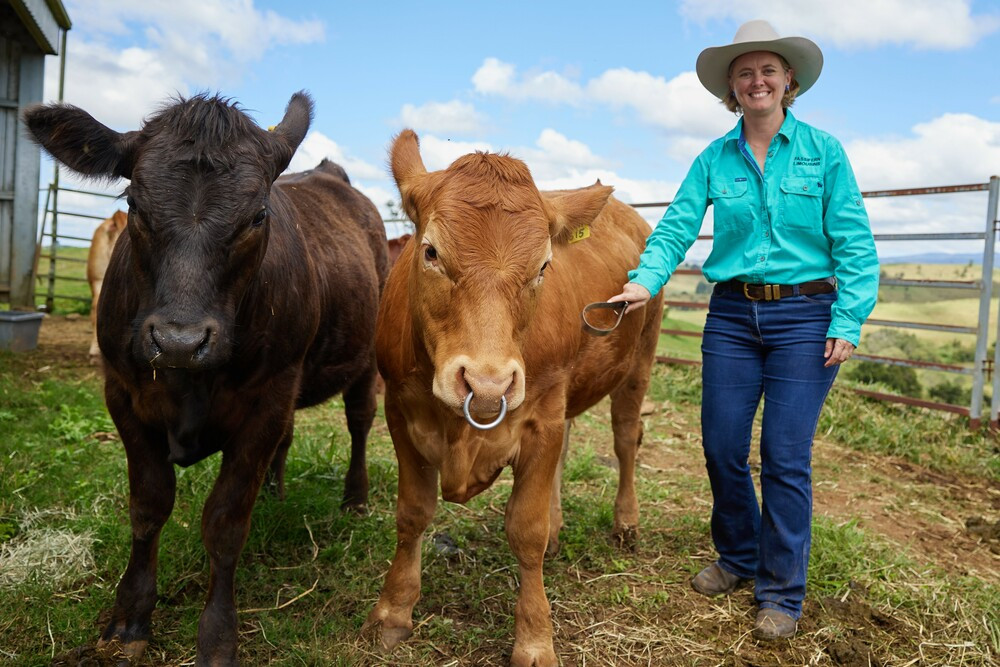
pixel 837 351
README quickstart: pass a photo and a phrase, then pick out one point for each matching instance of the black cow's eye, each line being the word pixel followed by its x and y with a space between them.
pixel 259 218
pixel 430 254
pixel 130 201
pixel 544 266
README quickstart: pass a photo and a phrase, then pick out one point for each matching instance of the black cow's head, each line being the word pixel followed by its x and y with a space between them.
pixel 200 174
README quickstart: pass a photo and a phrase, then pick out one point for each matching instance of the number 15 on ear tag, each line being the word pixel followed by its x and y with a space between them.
pixel 579 234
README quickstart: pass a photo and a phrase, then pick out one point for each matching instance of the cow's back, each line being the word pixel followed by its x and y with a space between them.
pixel 346 246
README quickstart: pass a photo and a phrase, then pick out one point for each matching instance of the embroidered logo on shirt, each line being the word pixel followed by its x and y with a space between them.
pixel 805 161
pixel 741 179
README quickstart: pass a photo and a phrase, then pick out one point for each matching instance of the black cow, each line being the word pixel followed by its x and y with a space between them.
pixel 234 298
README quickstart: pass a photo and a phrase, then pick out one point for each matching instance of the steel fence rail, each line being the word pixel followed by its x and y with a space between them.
pixel 981 366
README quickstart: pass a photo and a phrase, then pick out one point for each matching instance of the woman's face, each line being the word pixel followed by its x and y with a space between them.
pixel 758 79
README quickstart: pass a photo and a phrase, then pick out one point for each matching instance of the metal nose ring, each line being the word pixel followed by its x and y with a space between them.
pixel 619 306
pixel 484 427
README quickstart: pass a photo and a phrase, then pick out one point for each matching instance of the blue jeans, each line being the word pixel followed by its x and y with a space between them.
pixel 772 349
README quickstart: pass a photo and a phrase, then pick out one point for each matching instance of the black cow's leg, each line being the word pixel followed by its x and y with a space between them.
pixel 360 405
pixel 225 524
pixel 152 487
pixel 275 482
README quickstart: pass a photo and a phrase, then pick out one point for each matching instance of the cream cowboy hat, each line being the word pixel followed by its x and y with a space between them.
pixel 801 53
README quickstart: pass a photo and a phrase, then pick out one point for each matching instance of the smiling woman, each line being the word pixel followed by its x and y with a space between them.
pixel 796 274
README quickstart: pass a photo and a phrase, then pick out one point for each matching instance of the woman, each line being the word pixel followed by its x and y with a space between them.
pixel 796 275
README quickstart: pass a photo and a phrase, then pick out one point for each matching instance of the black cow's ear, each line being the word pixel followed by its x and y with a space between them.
pixel 82 143
pixel 289 133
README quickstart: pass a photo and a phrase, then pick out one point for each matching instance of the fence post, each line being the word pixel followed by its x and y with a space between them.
pixel 985 298
pixel 991 222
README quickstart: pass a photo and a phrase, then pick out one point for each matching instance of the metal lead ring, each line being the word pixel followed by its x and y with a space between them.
pixel 618 307
pixel 484 427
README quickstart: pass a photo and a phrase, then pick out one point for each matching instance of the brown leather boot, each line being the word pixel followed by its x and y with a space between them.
pixel 713 580
pixel 773 624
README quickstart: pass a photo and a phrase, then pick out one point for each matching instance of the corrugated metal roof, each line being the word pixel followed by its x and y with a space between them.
pixel 43 19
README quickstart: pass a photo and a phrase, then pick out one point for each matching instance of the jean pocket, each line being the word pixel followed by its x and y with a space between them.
pixel 825 299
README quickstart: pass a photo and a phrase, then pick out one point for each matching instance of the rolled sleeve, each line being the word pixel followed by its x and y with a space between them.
pixel 676 231
pixel 852 247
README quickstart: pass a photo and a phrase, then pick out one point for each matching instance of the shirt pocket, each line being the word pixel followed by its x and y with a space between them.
pixel 802 203
pixel 730 204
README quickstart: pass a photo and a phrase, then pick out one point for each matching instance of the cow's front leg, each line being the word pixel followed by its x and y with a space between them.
pixel 527 525
pixel 152 487
pixel 415 504
pixel 225 524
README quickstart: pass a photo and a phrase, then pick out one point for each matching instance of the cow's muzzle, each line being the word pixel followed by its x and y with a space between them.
pixel 174 345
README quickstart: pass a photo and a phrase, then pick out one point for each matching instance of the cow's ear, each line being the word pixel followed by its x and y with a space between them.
pixel 570 210
pixel 409 171
pixel 289 133
pixel 81 142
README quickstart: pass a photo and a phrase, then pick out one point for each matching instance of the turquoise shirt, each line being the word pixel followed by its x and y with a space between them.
pixel 801 219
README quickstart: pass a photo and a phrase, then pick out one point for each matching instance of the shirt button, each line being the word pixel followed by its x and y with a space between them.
pixel 805 187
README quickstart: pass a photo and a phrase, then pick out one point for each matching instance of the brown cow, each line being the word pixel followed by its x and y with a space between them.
pixel 473 315
pixel 232 299
pixel 396 246
pixel 97 263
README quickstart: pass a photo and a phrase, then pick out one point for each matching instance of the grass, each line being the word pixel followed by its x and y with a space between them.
pixel 309 574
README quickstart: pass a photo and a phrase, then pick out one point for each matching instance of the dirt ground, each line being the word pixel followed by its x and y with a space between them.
pixel 943 521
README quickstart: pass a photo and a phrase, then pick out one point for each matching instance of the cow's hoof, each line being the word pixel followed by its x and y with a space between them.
pixel 552 548
pixel 391 637
pixel 626 538
pixel 359 507
pixel 115 651
pixel 535 656
pixel 388 637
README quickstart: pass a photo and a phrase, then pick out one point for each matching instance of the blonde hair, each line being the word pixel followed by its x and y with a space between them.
pixel 787 100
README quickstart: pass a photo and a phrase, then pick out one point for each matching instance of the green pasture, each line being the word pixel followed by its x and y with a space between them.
pixel 309 573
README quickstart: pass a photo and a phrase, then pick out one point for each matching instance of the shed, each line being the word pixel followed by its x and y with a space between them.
pixel 29 31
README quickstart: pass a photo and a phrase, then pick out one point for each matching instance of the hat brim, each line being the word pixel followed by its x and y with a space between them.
pixel 802 55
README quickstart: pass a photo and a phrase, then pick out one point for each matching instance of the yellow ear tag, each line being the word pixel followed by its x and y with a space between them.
pixel 579 234
pixel 270 128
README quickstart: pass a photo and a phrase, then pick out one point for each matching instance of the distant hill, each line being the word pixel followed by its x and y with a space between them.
pixel 935 258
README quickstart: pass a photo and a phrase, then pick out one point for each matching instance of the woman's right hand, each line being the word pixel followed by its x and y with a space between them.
pixel 635 294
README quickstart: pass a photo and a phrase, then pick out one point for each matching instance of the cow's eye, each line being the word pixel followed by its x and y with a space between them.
pixel 430 253
pixel 258 219
pixel 541 272
pixel 130 201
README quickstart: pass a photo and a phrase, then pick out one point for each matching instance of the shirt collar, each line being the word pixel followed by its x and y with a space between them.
pixel 787 129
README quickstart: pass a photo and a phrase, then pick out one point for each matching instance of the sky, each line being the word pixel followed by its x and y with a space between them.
pixel 579 90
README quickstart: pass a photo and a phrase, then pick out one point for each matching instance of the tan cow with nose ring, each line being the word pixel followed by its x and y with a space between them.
pixel 480 319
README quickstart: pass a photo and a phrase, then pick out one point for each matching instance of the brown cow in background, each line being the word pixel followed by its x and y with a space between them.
pixel 234 298
pixel 97 263
pixel 482 314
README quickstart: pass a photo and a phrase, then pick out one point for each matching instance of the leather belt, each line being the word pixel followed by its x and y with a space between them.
pixel 756 292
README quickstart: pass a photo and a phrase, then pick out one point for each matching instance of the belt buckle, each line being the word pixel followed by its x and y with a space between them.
pixel 771 292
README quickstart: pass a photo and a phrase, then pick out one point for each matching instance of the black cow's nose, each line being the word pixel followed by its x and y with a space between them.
pixel 174 345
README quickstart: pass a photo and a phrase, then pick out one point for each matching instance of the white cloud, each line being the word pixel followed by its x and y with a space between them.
pixel 454 117
pixel 118 88
pixel 175 47
pixel 438 153
pixel 495 77
pixel 317 146
pixel 951 149
pixel 922 24
pixel 681 104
